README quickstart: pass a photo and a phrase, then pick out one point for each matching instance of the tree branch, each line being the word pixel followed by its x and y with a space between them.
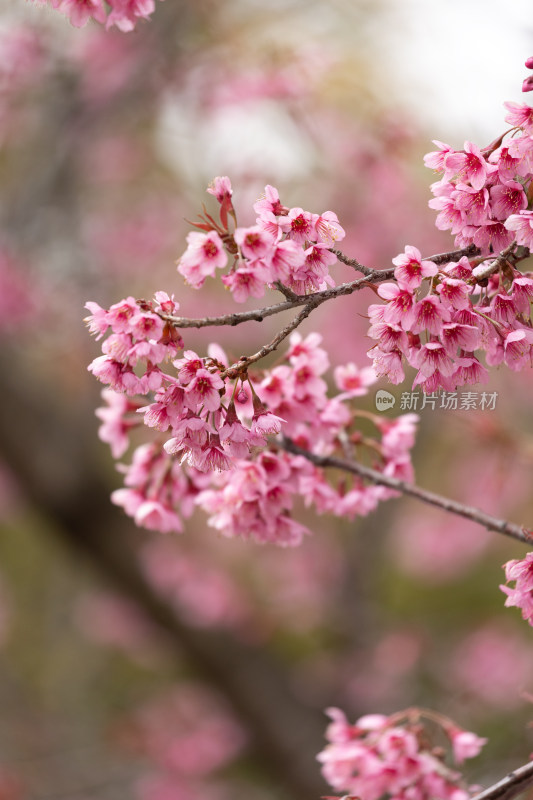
pixel 512 255
pixel 513 784
pixel 371 276
pixel 313 300
pixel 439 258
pixel 518 532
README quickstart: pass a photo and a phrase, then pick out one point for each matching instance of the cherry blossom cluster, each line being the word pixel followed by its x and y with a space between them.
pixel 124 14
pixel 438 317
pixel 216 424
pixel 521 572
pixel 380 756
pixel 218 450
pixel 438 320
pixel 288 246
pixel 255 499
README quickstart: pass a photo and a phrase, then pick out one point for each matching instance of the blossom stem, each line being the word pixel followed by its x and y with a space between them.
pixel 511 529
pixel 513 784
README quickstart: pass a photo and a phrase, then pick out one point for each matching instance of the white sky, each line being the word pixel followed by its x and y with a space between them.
pixel 458 60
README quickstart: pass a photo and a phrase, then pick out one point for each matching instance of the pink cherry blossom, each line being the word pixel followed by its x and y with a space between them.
pixel 205 253
pixel 435 160
pixel 450 216
pixel 299 225
pixel 388 364
pixel 270 203
pixel 429 314
pixel 453 335
pixel 465 744
pixel 502 308
pixel 378 756
pixel 352 381
pixel 286 257
pixel 264 423
pixel 507 198
pixel 166 303
pixel 400 308
pixel 522 293
pixel 247 281
pixel 522 225
pixel 253 242
pixel 474 204
pixel 520 571
pixel 126 13
pixel 97 322
pixel 469 166
pixel 520 115
pixel 454 293
pixel 81 11
pixel 328 229
pixel 508 167
pixel 220 188
pixel 411 269
pixel 492 237
pixel 155 516
pixel 204 390
pixel 469 370
pixel 431 357
pixel 115 425
pixel 518 348
pixel 120 314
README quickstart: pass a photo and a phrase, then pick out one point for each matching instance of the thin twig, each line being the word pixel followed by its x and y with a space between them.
pixel 445 503
pixel 493 266
pixel 288 293
pixel 513 784
pixel 353 262
pixel 244 362
pixel 439 258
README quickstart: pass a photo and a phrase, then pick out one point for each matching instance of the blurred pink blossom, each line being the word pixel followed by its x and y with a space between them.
pixel 492 664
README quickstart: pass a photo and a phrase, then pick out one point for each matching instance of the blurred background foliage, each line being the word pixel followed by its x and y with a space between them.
pixel 174 668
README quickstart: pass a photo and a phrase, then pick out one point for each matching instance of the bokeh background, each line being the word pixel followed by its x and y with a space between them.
pixel 136 665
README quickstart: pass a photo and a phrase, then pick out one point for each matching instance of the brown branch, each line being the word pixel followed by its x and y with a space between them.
pixel 257 315
pixel 317 298
pixel 313 300
pixel 310 302
pixel 453 255
pixel 513 784
pixel 295 300
pixel 425 496
pixel 439 258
